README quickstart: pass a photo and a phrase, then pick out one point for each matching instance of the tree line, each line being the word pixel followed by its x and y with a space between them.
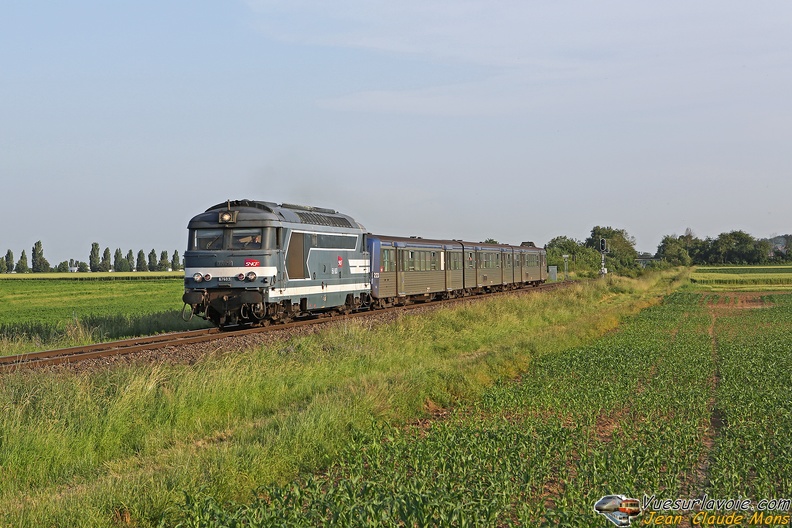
pixel 734 247
pixel 96 261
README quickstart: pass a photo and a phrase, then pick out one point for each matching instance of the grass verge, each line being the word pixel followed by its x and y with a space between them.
pixel 689 398
pixel 121 447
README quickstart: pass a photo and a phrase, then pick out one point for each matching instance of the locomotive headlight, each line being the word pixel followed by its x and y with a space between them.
pixel 227 217
pixel 250 276
pixel 207 277
pixel 241 277
pixel 197 277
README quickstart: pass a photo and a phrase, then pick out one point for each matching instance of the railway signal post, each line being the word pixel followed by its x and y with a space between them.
pixel 603 250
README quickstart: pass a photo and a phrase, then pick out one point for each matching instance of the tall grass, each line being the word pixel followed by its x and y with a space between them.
pixel 121 446
pixel 18 338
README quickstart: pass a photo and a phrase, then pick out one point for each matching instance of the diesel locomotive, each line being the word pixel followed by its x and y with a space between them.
pixel 252 262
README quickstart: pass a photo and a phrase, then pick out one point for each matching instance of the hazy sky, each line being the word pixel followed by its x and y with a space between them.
pixel 516 120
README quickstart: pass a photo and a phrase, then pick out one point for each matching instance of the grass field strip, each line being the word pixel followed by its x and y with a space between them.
pixel 689 397
pixel 55 313
pixel 731 277
pixel 121 446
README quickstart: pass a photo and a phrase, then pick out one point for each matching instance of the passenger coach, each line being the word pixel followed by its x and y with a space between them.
pixel 406 268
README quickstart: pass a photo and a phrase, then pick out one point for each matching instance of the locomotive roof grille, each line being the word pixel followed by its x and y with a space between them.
pixel 308 208
pixel 325 220
pixel 242 203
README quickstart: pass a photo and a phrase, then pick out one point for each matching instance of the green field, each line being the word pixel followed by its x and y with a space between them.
pixel 517 411
pixel 47 310
pixel 689 397
pixel 749 278
pixel 100 448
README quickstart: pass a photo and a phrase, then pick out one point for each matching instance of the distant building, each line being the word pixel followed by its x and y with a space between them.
pixel 779 244
pixel 645 261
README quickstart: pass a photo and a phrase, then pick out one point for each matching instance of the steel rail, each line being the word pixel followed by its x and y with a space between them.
pixel 128 346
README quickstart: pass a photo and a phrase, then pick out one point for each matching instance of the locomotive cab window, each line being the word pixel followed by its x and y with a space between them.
pixel 207 239
pixel 246 239
pixel 254 238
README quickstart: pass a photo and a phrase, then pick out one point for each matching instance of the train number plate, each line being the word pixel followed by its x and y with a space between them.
pixel 223 279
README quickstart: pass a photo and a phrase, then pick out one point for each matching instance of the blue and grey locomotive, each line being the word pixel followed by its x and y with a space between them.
pixel 250 262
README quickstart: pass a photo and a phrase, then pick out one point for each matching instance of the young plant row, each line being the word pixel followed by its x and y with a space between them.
pixel 753 454
pixel 627 414
pixel 118 446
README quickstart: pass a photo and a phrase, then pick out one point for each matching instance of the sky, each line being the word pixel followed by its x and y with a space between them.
pixel 469 119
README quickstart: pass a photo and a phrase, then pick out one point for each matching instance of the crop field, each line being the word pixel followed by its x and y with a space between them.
pixel 51 311
pixel 524 412
pixel 749 278
pixel 688 398
pixel 125 446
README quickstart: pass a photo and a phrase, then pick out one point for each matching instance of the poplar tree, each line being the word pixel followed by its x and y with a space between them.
pixel 93 259
pixel 175 261
pixel 105 265
pixel 3 268
pixel 119 262
pixel 141 261
pixel 22 264
pixel 152 261
pixel 39 263
pixel 163 263
pixel 131 260
pixel 9 258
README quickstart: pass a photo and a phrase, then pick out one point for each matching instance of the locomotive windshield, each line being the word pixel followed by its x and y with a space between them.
pixel 240 238
pixel 207 239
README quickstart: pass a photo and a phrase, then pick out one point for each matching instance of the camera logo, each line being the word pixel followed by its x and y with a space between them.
pixel 618 509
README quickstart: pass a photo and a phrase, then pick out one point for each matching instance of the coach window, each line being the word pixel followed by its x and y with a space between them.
pixel 208 239
pixel 387 263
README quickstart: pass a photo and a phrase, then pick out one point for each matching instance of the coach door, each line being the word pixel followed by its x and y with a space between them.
pixel 387 273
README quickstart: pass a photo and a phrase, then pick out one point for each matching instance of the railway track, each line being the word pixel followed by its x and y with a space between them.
pixel 139 344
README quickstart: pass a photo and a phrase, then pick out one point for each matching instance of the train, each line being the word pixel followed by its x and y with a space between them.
pixel 252 262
